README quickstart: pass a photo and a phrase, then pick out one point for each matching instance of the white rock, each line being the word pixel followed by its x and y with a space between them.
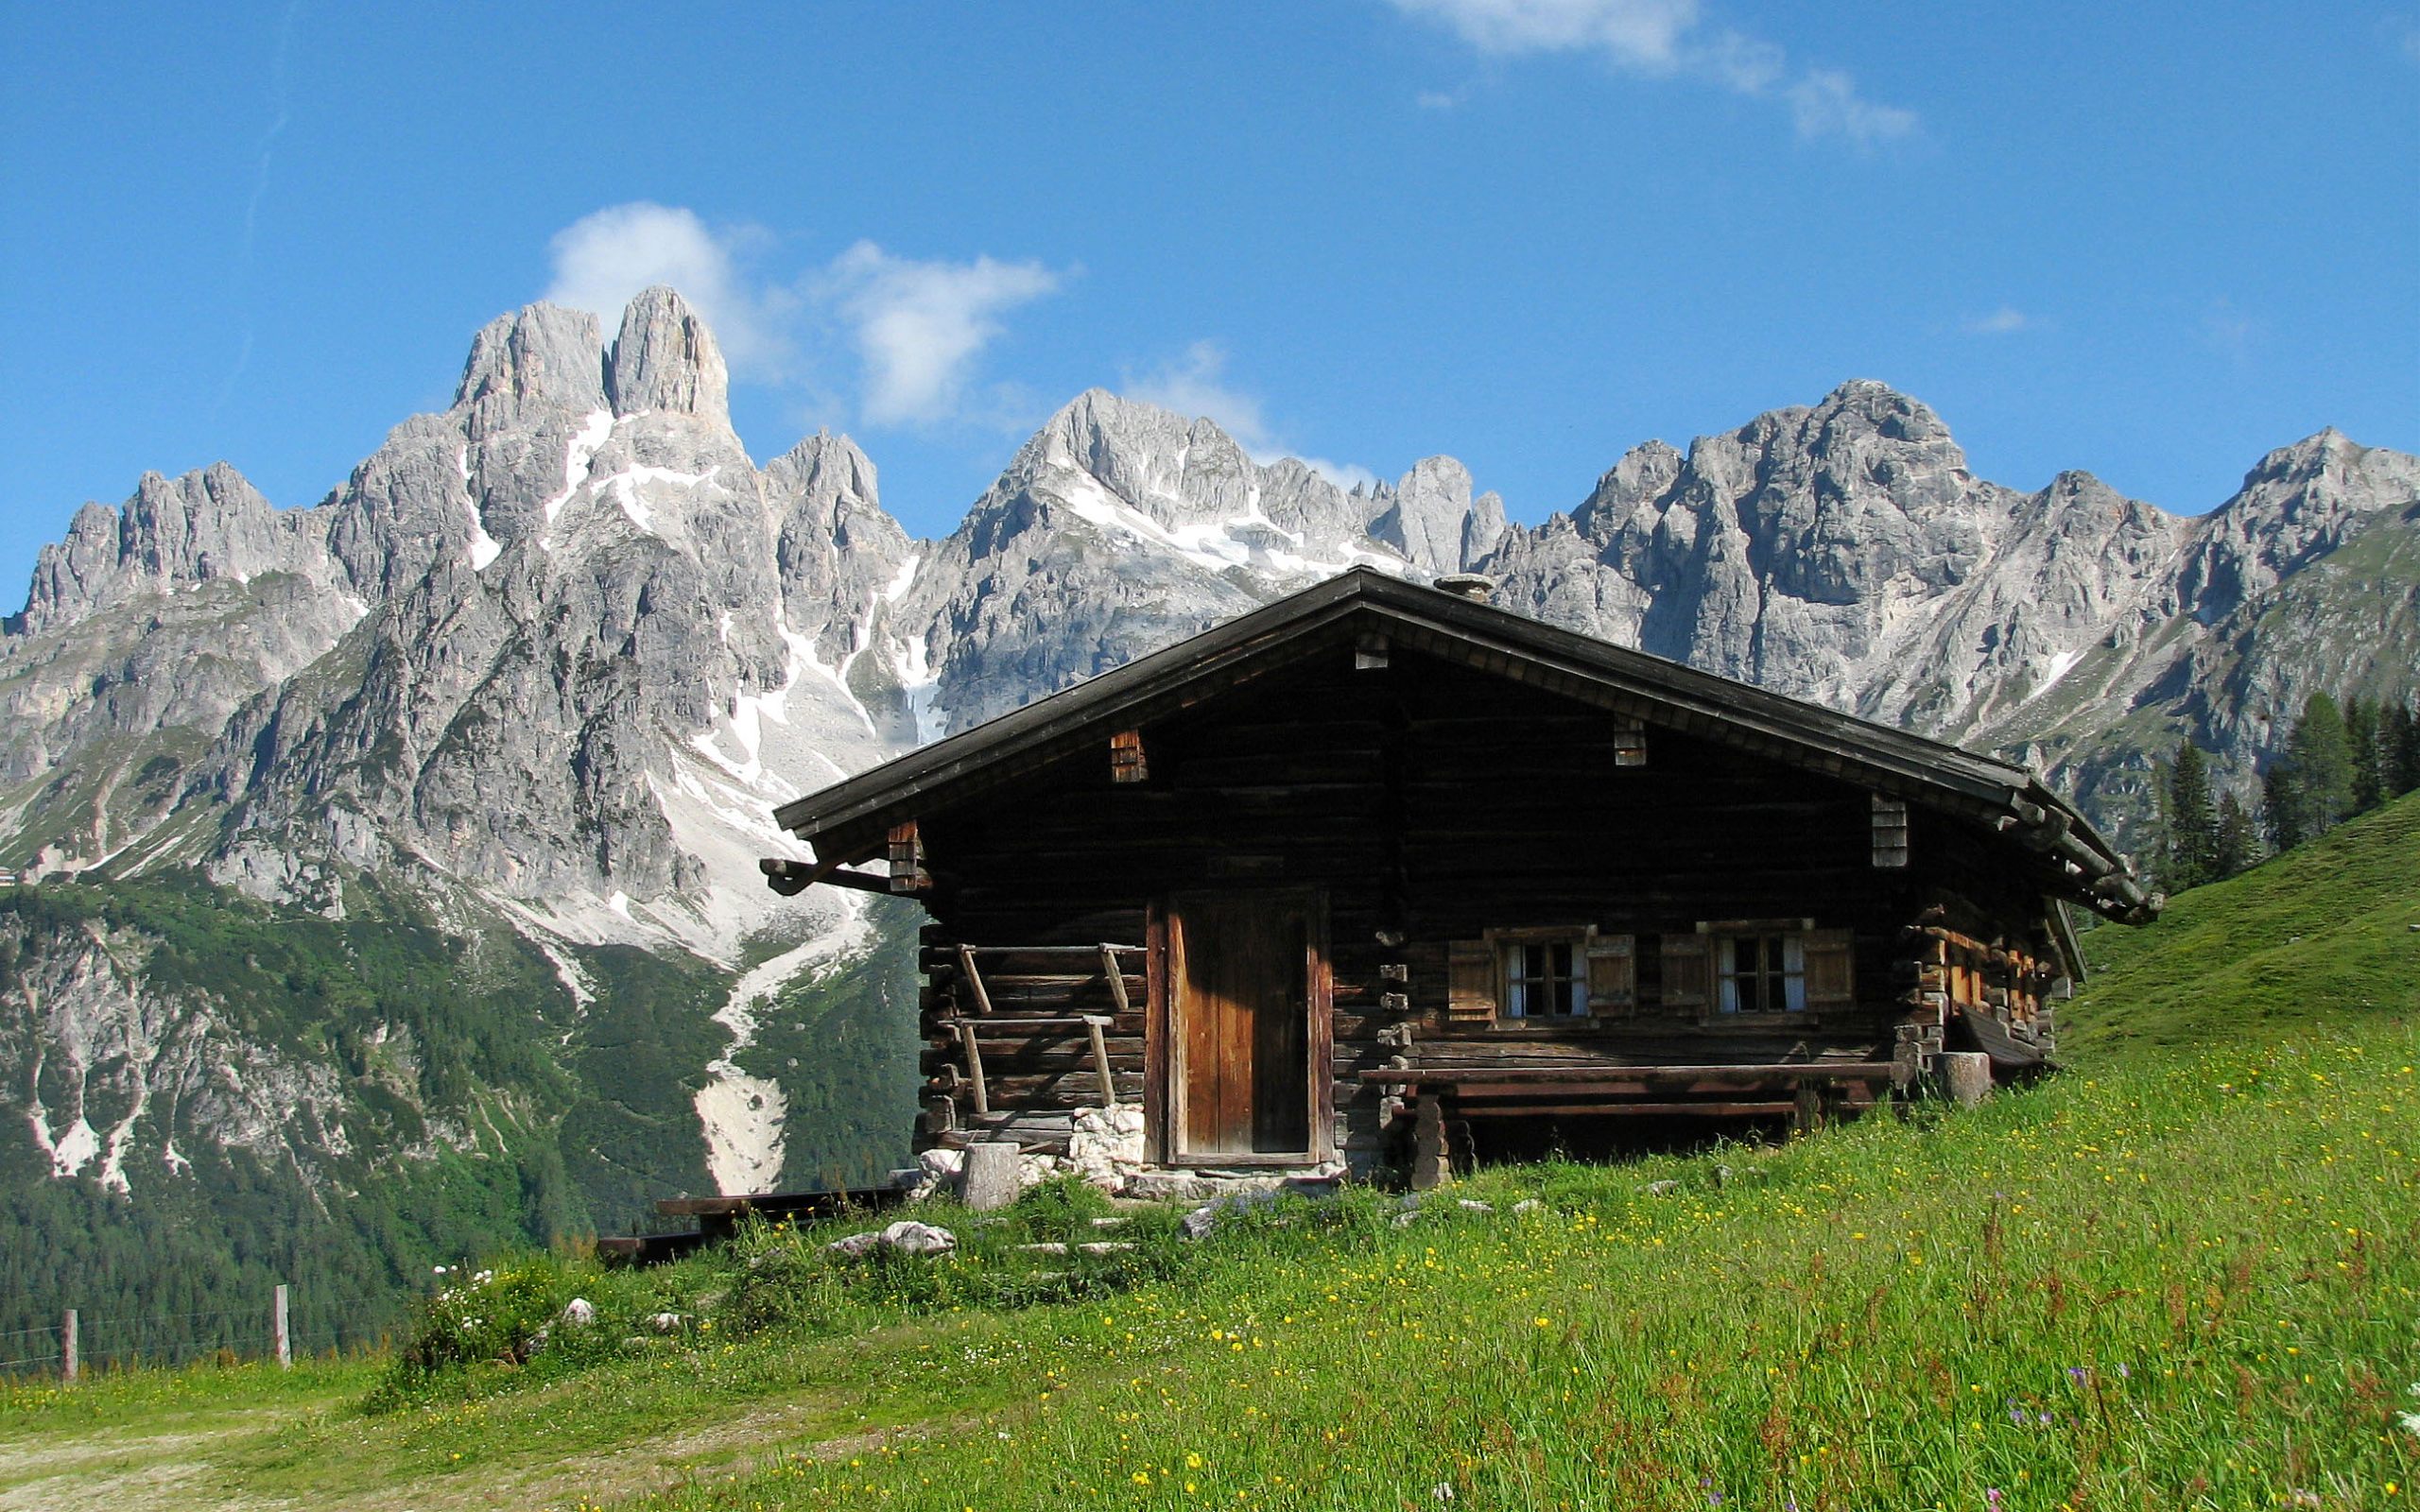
pixel 912 1238
pixel 942 1164
pixel 665 1322
pixel 579 1311
pixel 1106 1246
pixel 855 1246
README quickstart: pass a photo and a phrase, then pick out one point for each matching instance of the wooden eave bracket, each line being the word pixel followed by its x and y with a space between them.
pixel 790 878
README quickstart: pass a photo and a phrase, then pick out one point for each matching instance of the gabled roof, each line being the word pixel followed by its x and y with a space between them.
pixel 847 819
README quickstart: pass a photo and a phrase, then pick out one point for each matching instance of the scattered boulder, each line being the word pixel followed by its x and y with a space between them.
pixel 1201 1220
pixel 1047 1247
pixel 579 1312
pixel 1661 1189
pixel 667 1322
pixel 1527 1206
pixel 1473 1205
pixel 910 1237
pixel 1104 1247
pixel 936 1170
pixel 906 1236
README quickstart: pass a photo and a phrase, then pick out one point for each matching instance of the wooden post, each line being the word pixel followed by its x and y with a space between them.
pixel 68 1360
pixel 280 1340
pixel 974 980
pixel 1094 1022
pixel 990 1175
pixel 1117 974
pixel 1430 1165
pixel 974 1065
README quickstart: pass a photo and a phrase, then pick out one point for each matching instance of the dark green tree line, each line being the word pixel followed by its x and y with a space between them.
pixel 2338 762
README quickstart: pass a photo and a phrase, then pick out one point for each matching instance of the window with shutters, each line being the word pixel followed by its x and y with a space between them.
pixel 1745 969
pixel 1541 981
pixel 1761 974
pixel 1540 975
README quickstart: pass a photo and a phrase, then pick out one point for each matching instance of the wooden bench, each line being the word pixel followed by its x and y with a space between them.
pixel 719 1218
pixel 1600 1089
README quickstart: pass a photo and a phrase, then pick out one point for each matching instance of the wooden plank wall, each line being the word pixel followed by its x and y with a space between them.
pixel 1434 803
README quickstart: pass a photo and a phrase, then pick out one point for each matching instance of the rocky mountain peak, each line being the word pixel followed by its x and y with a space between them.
pixel 541 356
pixel 1867 404
pixel 207 525
pixel 666 359
pixel 1431 518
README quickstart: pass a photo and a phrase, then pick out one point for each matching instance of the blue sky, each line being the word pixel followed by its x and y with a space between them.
pixel 2149 241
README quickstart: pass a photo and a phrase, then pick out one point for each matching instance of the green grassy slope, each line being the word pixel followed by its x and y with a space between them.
pixel 2322 936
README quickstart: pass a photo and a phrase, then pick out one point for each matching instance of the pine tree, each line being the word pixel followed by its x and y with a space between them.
pixel 2323 763
pixel 2362 745
pixel 2238 842
pixel 2402 740
pixel 2192 821
pixel 2281 807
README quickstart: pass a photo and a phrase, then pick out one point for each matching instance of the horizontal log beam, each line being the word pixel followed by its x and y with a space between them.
pixel 1788 1070
pixel 1622 1109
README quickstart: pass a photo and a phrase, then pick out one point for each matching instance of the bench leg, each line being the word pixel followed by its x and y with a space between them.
pixel 1431 1164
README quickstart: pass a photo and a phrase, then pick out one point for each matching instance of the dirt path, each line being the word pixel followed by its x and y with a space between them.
pixel 184 1461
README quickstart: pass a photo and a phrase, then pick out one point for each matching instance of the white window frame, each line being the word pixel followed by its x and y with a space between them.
pixel 1792 973
pixel 1512 983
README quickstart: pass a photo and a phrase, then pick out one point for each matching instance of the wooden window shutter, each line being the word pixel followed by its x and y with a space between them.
pixel 1612 975
pixel 1830 982
pixel 1687 972
pixel 1889 831
pixel 1127 761
pixel 1470 980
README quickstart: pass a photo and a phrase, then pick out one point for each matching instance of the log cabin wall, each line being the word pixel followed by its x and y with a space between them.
pixel 1431 804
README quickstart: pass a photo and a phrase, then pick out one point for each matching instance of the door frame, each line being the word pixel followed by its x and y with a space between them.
pixel 1163 1049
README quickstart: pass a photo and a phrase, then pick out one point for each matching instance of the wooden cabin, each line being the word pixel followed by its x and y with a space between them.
pixel 1380 861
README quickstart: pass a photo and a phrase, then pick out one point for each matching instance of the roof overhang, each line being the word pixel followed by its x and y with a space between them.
pixel 847 819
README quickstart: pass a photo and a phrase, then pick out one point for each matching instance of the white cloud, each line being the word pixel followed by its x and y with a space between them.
pixel 1195 385
pixel 1639 33
pixel 919 326
pixel 1824 102
pixel 2006 321
pixel 1665 38
pixel 602 259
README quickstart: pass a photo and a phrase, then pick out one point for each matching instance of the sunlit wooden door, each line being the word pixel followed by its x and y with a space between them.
pixel 1246 994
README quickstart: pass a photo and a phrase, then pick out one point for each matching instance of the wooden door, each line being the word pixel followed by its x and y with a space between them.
pixel 1246 1025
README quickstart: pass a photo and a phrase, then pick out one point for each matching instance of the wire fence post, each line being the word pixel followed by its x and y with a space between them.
pixel 67 1360
pixel 279 1339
